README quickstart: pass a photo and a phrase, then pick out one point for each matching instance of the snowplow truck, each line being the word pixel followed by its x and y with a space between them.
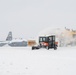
pixel 46 42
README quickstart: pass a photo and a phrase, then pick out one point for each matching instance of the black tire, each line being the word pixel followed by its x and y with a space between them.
pixel 32 48
pixel 47 48
pixel 55 48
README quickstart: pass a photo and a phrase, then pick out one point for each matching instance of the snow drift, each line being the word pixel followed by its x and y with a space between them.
pixel 64 36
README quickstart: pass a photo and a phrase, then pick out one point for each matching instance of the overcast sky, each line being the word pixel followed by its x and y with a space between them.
pixel 25 18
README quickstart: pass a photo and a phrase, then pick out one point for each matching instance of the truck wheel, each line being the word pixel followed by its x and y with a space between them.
pixel 32 48
pixel 55 48
pixel 47 48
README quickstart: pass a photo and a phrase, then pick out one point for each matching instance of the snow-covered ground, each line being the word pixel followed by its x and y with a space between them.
pixel 24 61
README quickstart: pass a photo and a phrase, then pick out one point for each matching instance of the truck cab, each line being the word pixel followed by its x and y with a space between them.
pixel 48 42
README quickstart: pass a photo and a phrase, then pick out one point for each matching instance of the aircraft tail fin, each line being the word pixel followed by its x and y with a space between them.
pixel 9 37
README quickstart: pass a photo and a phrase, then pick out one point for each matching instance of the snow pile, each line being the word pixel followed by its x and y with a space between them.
pixel 64 37
pixel 51 31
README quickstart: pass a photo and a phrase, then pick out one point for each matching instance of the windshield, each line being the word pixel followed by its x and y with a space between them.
pixel 43 39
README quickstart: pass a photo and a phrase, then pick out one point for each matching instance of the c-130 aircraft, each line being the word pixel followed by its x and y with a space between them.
pixel 13 42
